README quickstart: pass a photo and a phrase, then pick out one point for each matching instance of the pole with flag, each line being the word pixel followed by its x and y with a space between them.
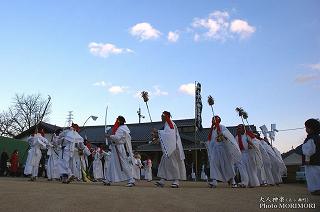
pixel 198 118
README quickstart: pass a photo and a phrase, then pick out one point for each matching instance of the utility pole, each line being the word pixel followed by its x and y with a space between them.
pixel 140 115
pixel 69 118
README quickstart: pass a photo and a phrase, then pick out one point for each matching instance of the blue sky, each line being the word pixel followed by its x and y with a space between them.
pixel 261 55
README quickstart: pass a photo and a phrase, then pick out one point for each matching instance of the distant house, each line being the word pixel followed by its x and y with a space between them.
pixel 49 129
pixel 293 161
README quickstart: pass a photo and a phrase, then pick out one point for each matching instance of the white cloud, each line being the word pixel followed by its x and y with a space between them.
pixel 187 89
pixel 107 49
pixel 218 26
pixel 158 92
pixel 115 89
pixel 173 36
pixel 100 84
pixel 215 26
pixel 144 31
pixel 242 28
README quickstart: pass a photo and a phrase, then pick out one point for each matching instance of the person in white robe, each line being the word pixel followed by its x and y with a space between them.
pixel 97 164
pixel 76 162
pixel 107 159
pixel 267 165
pixel 67 140
pixel 278 168
pixel 53 159
pixel 223 154
pixel 148 170
pixel 37 142
pixel 122 155
pixel 172 166
pixel 137 165
pixel 251 158
pixel 311 156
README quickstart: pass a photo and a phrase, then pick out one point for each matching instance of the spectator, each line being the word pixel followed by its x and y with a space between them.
pixel 14 160
pixel 3 163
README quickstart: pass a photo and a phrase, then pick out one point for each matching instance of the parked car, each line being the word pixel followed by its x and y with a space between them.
pixel 301 174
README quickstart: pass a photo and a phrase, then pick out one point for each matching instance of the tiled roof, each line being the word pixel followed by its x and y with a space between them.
pixel 297 150
pixel 48 128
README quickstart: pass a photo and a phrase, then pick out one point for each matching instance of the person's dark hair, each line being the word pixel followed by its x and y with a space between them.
pixel 121 120
pixel 167 113
pixel 314 125
pixel 58 131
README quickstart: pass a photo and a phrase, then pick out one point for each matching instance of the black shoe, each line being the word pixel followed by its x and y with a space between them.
pixel 106 183
pixel 212 185
pixel 316 192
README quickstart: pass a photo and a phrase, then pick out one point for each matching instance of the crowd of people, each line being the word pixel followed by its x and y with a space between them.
pixel 246 160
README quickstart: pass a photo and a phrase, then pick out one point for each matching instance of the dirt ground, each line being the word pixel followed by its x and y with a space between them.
pixel 18 194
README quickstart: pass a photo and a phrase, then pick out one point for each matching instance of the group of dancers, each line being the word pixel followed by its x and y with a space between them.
pixel 246 160
pixel 68 159
pixel 246 157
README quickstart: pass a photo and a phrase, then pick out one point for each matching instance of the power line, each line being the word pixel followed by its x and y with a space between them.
pixel 299 128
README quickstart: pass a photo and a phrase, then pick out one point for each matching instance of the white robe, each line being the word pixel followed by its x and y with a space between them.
pixel 266 164
pixel 136 168
pixel 251 159
pixel 97 166
pixel 52 163
pixel 280 168
pixel 107 160
pixel 76 164
pixel 172 165
pixel 148 170
pixel 261 173
pixel 312 171
pixel 37 143
pixel 223 155
pixel 121 164
pixel 67 140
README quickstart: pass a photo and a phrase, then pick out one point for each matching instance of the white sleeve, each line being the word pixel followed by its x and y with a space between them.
pixel 308 149
pixel 118 137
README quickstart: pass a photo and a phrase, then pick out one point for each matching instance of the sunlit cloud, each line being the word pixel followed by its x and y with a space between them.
pixel 144 31
pixel 107 49
pixel 187 89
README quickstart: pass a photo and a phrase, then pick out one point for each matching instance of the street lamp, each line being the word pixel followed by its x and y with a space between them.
pixel 93 118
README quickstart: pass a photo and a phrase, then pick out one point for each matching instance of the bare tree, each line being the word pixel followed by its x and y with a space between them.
pixel 25 112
